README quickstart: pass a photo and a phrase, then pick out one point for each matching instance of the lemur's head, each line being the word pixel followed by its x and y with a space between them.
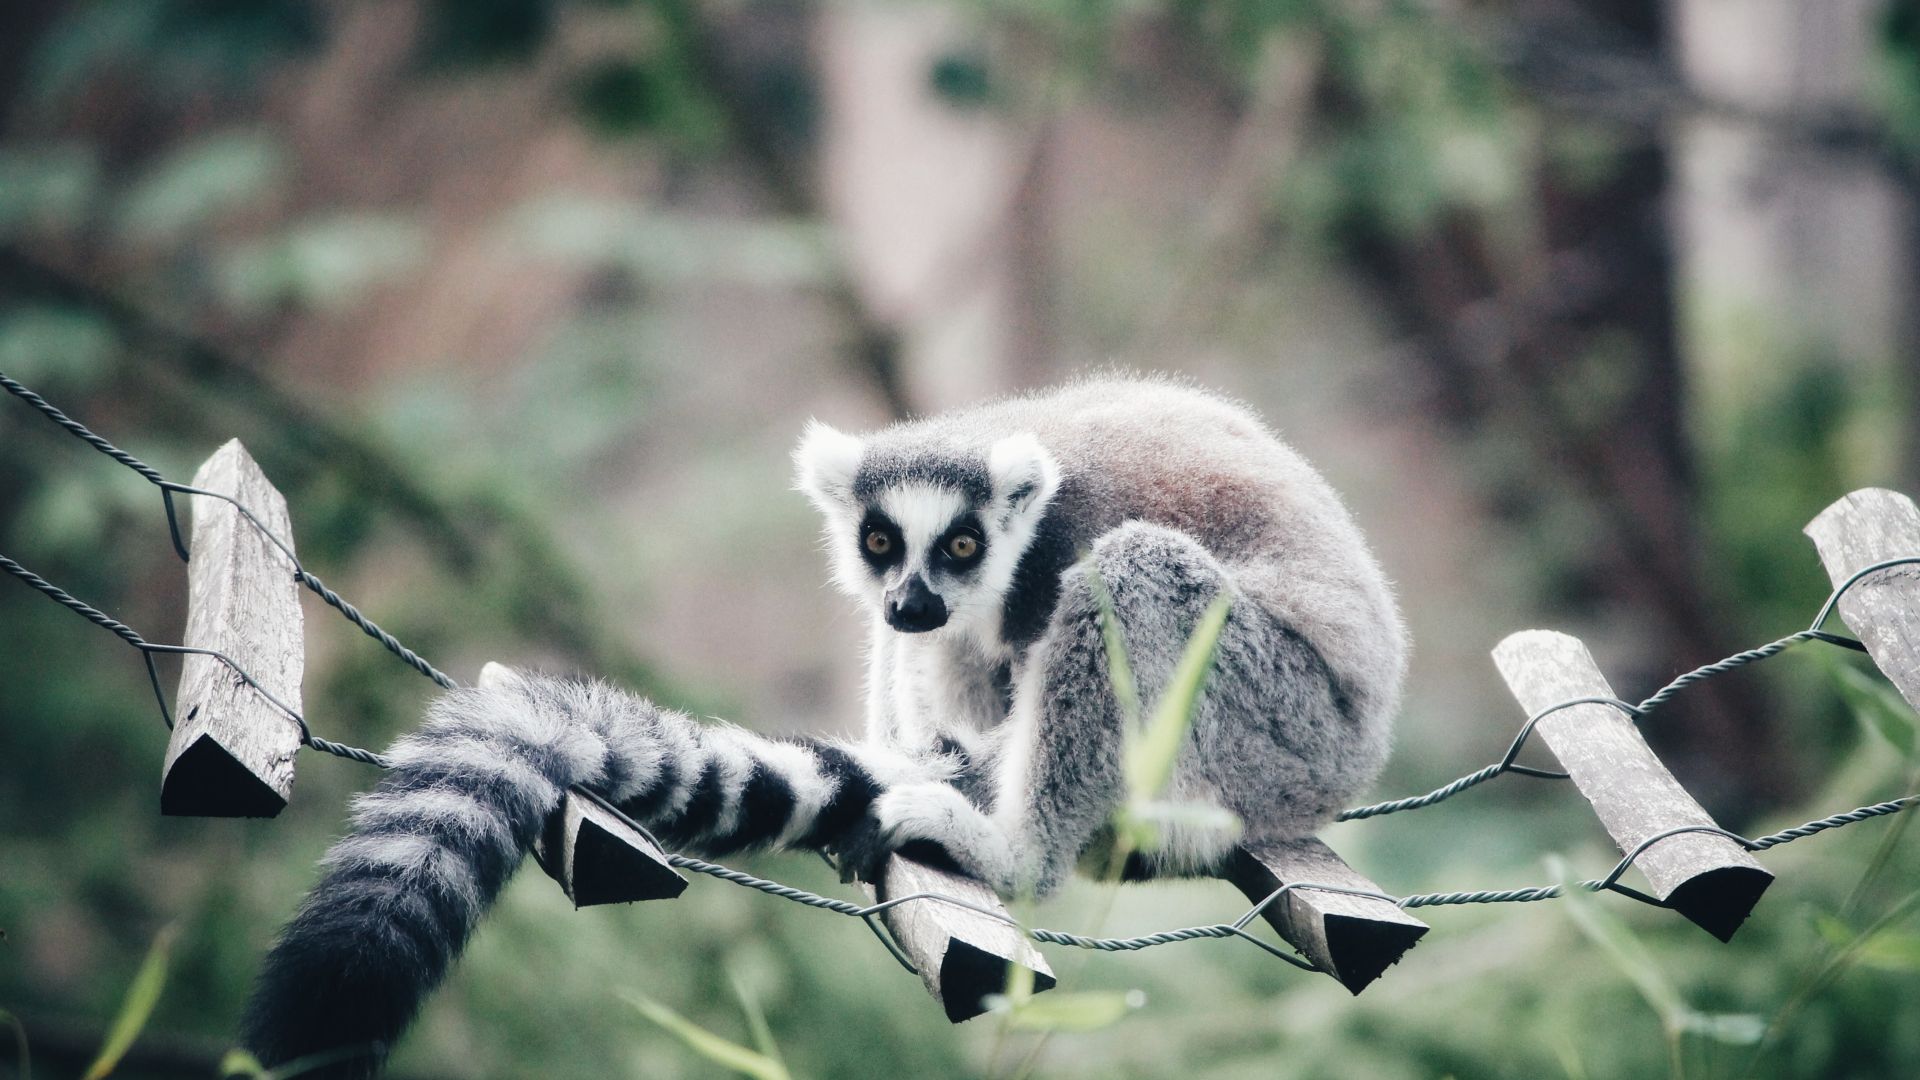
pixel 927 536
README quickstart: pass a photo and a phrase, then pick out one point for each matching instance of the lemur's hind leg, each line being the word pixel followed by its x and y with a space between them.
pixel 1062 775
pixel 1059 772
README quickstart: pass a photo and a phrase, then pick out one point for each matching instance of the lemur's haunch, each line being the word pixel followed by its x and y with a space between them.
pixel 993 735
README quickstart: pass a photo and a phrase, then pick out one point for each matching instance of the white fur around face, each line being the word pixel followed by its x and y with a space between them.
pixel 824 465
pixel 1024 475
pixel 923 512
pixel 1024 478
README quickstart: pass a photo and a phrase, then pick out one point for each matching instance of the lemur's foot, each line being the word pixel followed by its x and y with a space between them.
pixel 933 823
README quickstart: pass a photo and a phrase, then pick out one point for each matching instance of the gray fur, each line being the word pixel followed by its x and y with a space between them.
pixel 1171 495
pixel 993 740
pixel 433 844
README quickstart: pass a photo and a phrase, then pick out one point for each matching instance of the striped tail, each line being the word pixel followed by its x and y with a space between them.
pixel 432 845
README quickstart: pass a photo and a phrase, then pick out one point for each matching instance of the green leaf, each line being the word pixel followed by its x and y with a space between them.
pixel 142 995
pixel 1119 669
pixel 673 248
pixel 190 187
pixel 756 1020
pixel 1625 949
pixel 1019 986
pixel 1877 706
pixel 1832 931
pixel 1150 756
pixel 327 263
pixel 1068 1012
pixel 619 97
pixel 1889 951
pixel 961 79
pixel 720 1051
pixel 48 185
pixel 40 344
pixel 238 1062
pixel 1735 1029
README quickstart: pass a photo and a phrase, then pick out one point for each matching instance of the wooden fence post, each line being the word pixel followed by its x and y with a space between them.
pixel 595 856
pixel 1869 526
pixel 599 859
pixel 1352 938
pixel 1708 878
pixel 231 751
pixel 961 955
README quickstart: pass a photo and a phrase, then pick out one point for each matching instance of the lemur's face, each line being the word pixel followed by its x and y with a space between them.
pixel 928 538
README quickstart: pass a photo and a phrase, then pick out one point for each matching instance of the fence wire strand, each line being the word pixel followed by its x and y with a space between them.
pixel 868 913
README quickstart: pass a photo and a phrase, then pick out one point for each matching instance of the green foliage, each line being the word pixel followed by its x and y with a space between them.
pixel 730 1055
pixel 1150 756
pixel 466 33
pixel 142 996
pixel 619 97
pixel 177 48
pixel 1635 960
pixel 190 188
pixel 1067 1011
pixel 45 186
pixel 1877 707
pixel 325 263
pixel 962 78
pixel 1899 73
pixel 149 148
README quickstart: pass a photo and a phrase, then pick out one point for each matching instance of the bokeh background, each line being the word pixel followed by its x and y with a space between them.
pixel 1588 306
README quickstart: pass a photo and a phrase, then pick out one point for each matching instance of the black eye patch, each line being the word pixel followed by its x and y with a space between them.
pixel 880 541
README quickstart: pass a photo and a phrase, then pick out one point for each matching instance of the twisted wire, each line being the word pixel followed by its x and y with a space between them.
pixel 868 912
pixel 169 487
pixel 1646 707
pixel 79 430
pixel 67 600
pixel 373 630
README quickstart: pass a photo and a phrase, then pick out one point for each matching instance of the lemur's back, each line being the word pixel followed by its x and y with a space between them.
pixel 1164 452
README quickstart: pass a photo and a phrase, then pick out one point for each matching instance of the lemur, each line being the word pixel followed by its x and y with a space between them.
pixel 977 542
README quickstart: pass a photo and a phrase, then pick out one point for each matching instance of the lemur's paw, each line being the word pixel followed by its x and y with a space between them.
pixel 914 815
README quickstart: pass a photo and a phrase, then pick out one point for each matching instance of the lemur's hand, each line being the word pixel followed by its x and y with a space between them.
pixel 935 824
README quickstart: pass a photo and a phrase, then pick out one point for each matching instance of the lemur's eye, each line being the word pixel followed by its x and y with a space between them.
pixel 963 546
pixel 879 542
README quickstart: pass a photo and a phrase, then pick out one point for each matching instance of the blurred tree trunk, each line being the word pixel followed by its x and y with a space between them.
pixel 1573 354
pixel 1793 255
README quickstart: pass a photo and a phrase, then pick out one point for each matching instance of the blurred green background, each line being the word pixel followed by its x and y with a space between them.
pixel 1588 306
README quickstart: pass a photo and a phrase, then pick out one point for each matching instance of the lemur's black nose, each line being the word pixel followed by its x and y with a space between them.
pixel 912 608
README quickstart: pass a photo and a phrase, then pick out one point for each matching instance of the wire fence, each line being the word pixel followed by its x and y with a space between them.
pixel 1508 762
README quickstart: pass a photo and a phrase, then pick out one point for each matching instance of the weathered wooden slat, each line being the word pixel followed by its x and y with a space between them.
pixel 962 955
pixel 599 859
pixel 1352 938
pixel 231 752
pixel 595 856
pixel 1869 526
pixel 1710 879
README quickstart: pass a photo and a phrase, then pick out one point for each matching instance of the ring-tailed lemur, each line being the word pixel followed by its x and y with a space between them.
pixel 973 539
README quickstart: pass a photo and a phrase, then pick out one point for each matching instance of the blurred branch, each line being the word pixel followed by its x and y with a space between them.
pixel 875 347
pixel 1264 144
pixel 1578 67
pixel 1503 340
pixel 552 602
pixel 1495 358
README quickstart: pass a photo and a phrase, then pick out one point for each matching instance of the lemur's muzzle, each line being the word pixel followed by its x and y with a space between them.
pixel 912 608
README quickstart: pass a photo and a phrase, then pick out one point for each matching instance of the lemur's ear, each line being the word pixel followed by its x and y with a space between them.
pixel 824 465
pixel 1024 475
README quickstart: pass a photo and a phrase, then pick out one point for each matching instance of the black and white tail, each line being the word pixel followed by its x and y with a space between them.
pixel 433 844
